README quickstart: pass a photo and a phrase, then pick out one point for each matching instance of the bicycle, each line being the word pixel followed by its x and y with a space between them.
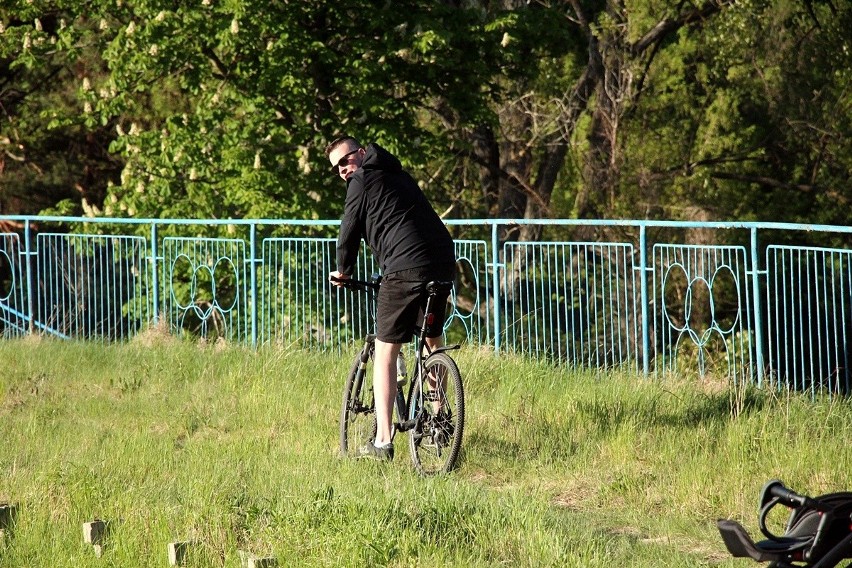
pixel 433 411
pixel 818 533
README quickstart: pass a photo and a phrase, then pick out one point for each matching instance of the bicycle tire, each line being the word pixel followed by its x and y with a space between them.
pixel 358 413
pixel 436 439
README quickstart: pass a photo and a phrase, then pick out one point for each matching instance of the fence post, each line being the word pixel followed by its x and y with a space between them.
pixel 758 315
pixel 155 280
pixel 28 254
pixel 495 266
pixel 253 280
pixel 643 287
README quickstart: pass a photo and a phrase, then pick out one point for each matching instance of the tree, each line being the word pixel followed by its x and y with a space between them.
pixel 667 113
pixel 586 108
pixel 45 157
pixel 219 113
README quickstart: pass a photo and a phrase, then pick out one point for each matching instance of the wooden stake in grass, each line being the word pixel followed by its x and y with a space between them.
pixel 252 561
pixel 8 514
pixel 266 562
pixel 94 533
pixel 178 552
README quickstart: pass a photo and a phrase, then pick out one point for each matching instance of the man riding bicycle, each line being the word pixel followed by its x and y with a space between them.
pixel 385 207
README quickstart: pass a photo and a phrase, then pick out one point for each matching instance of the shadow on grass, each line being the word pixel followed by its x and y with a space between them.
pixel 478 442
pixel 695 411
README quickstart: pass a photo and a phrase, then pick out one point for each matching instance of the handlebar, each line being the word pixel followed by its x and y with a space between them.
pixel 776 493
pixel 788 497
pixel 358 285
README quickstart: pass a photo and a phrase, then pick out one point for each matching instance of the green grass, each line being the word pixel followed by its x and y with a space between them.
pixel 236 450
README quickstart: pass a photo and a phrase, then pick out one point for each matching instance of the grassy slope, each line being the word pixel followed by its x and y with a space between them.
pixel 236 450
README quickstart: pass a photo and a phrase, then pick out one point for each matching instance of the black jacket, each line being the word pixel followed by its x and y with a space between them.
pixel 386 208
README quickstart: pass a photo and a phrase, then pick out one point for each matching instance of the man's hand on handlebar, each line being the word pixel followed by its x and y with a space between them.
pixel 336 278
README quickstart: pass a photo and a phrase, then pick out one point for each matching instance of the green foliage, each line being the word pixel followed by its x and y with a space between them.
pixel 740 118
pixel 46 153
pixel 223 109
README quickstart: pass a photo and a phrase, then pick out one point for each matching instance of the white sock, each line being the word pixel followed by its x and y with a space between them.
pixel 382 445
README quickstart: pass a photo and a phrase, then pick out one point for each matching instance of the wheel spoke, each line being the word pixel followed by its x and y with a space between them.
pixel 357 417
pixel 436 440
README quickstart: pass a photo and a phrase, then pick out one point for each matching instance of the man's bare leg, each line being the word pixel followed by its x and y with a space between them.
pixel 384 387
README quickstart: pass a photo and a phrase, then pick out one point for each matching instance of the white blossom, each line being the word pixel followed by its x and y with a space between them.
pixel 235 26
pixel 304 162
pixel 89 210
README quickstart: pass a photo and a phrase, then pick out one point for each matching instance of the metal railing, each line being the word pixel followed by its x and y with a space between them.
pixel 653 296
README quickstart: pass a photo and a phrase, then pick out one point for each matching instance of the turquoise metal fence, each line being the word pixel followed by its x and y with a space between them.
pixel 704 308
pixel 762 303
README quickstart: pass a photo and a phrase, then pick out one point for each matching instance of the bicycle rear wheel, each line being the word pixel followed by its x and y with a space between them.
pixel 358 415
pixel 437 402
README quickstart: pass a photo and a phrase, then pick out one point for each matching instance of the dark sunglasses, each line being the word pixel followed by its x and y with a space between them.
pixel 342 161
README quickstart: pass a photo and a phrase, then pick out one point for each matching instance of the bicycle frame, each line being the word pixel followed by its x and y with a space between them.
pixel 434 409
pixel 422 350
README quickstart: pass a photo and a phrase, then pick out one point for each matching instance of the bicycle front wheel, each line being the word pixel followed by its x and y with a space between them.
pixel 437 404
pixel 358 415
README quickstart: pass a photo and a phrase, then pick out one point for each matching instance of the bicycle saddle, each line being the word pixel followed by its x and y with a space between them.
pixel 436 286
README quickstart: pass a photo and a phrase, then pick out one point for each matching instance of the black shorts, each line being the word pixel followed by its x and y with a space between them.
pixel 402 299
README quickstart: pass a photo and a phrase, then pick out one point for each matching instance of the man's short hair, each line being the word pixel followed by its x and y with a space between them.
pixel 338 141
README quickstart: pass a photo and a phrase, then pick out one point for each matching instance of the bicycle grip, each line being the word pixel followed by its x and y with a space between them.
pixel 357 285
pixel 788 496
pixel 346 283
